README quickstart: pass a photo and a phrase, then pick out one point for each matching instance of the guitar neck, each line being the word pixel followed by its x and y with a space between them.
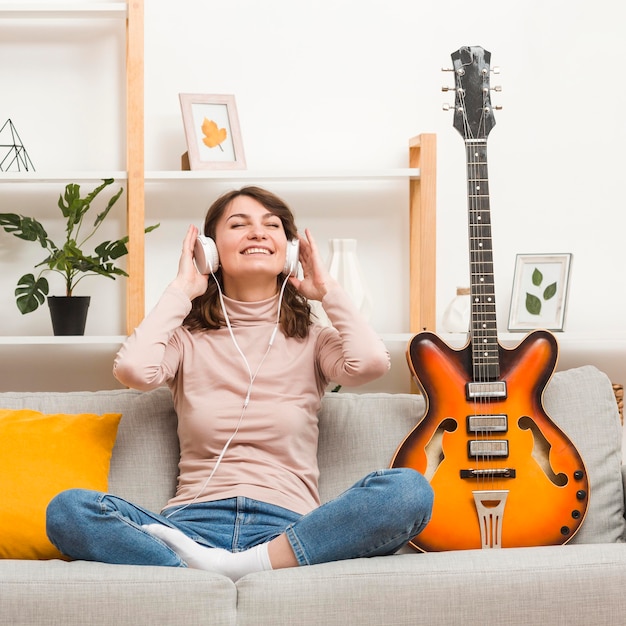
pixel 483 322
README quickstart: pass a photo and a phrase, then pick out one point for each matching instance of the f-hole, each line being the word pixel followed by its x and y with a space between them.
pixel 434 448
pixel 541 451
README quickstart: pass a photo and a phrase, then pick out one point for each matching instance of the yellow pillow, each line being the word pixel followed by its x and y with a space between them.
pixel 40 456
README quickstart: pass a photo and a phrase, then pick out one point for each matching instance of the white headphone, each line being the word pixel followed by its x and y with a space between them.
pixel 208 260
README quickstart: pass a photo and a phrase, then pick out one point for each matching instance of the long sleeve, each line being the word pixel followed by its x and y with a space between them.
pixel 148 358
pixel 350 353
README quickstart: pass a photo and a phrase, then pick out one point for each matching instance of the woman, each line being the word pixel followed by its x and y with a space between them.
pixel 247 367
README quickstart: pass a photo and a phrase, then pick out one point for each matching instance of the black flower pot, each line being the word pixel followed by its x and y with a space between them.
pixel 68 314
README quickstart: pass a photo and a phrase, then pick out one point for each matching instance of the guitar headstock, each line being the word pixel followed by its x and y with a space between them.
pixel 473 113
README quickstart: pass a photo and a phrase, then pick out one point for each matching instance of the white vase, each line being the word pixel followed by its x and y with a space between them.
pixel 344 266
pixel 456 317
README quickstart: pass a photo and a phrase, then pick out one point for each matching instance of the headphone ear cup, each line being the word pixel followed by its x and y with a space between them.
pixel 292 256
pixel 206 256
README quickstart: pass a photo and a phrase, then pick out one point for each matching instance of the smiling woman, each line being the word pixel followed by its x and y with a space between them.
pixel 248 364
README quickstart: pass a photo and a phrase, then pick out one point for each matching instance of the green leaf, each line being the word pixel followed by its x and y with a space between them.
pixel 109 206
pixel 25 228
pixel 30 293
pixel 537 277
pixel 533 304
pixel 112 249
pixel 549 291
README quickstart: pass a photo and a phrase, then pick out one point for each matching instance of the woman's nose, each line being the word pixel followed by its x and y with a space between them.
pixel 257 232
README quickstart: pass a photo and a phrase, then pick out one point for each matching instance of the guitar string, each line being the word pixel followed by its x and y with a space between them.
pixel 486 294
pixel 474 304
pixel 484 345
pixel 480 346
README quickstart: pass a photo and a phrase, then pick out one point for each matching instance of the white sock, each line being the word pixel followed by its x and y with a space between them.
pixel 231 564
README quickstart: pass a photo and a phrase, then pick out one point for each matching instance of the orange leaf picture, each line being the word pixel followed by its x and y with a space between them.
pixel 213 136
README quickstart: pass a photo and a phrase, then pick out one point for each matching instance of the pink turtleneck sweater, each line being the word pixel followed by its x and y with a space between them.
pixel 273 457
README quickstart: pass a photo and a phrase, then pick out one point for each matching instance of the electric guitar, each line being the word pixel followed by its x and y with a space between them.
pixel 503 473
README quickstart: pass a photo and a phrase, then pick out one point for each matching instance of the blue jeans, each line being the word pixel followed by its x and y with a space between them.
pixel 374 517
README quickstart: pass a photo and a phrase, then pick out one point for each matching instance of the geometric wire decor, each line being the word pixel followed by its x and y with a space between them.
pixel 16 155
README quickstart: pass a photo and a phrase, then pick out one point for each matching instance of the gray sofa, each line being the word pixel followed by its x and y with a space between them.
pixel 583 582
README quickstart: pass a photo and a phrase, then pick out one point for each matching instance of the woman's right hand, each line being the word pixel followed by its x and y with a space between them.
pixel 189 279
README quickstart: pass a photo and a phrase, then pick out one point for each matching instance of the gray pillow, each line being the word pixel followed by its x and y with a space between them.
pixel 582 403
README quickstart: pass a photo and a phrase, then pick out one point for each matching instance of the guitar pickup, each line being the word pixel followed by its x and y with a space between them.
pixel 487 423
pixel 491 448
pixel 485 391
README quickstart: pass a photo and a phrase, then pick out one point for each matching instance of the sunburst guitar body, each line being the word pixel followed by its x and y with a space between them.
pixel 503 473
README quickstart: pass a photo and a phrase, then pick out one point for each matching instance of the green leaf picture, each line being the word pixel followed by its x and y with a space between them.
pixel 533 302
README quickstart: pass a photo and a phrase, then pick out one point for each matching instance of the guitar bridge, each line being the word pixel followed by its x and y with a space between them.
pixel 496 472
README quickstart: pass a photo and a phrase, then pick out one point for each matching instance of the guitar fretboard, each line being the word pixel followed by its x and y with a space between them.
pixel 483 322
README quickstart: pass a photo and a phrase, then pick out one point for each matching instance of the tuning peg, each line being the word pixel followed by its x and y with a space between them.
pixel 447 69
pixel 447 107
pixel 444 88
pixel 497 88
pixel 495 70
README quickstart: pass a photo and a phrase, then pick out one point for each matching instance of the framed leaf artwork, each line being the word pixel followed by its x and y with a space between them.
pixel 539 295
pixel 212 132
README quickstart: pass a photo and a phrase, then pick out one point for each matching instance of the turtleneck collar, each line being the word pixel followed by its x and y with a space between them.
pixel 252 313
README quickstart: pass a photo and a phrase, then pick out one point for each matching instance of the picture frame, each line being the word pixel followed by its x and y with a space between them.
pixel 212 132
pixel 539 294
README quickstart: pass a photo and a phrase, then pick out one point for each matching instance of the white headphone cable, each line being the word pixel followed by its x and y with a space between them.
pixel 249 391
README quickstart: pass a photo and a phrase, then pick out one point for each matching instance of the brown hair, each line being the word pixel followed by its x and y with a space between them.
pixel 206 311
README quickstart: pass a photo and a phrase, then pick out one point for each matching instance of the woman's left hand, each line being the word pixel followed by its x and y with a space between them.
pixel 316 280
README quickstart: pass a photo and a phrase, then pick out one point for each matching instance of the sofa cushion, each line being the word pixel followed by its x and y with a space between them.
pixel 56 593
pixel 360 432
pixel 144 464
pixel 552 585
pixel 582 402
pixel 40 456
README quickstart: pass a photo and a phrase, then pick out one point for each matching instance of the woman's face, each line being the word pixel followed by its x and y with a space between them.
pixel 250 240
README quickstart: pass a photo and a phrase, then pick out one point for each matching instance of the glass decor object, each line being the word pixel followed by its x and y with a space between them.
pixel 344 266
pixel 456 317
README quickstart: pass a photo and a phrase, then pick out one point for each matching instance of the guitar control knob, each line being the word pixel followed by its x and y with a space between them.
pixel 576 514
pixel 579 475
pixel 581 494
pixel 565 530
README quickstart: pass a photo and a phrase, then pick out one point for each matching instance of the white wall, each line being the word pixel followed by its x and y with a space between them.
pixel 344 84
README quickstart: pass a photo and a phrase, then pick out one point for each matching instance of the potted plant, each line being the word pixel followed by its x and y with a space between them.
pixel 69 259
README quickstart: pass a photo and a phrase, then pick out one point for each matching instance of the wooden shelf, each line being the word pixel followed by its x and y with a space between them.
pixel 284 175
pixel 225 175
pixel 59 177
pixel 82 340
pixel 63 10
pixel 85 340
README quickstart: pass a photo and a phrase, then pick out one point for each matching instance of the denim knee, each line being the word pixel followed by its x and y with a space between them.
pixel 63 514
pixel 412 495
